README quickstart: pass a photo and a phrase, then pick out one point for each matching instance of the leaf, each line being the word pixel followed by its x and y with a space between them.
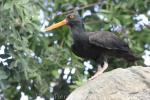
pixel 7 5
pixel 4 56
pixel 83 1
pixel 22 2
pixel 3 75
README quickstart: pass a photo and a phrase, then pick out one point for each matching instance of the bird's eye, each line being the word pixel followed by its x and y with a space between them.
pixel 71 16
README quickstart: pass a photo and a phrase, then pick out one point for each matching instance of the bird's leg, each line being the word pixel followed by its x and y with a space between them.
pixel 100 70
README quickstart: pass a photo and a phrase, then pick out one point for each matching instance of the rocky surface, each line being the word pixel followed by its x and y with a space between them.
pixel 120 84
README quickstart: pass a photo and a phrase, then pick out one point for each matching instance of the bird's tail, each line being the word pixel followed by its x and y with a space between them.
pixel 130 57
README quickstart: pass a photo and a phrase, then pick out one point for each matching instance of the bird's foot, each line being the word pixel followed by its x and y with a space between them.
pixel 100 71
pixel 95 75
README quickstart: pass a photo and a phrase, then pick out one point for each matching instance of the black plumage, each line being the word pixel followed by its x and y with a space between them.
pixel 97 46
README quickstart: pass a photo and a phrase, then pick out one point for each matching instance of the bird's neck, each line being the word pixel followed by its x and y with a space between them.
pixel 78 33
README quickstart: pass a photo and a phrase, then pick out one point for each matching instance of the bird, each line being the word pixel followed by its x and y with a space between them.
pixel 97 46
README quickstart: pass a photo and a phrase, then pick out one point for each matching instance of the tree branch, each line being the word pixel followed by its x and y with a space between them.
pixel 84 7
pixel 81 8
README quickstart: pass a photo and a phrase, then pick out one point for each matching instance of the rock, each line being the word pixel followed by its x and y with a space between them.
pixel 120 84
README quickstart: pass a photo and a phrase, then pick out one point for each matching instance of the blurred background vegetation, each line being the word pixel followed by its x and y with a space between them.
pixel 40 64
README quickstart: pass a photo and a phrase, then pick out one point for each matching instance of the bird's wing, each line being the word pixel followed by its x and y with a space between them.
pixel 107 40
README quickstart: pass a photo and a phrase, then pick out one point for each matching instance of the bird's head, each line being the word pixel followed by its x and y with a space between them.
pixel 71 20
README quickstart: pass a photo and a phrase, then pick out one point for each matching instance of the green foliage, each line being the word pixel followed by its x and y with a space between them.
pixel 34 58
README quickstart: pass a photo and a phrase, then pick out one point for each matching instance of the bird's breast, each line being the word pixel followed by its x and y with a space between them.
pixel 85 51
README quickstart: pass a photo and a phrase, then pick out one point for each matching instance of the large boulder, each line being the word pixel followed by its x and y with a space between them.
pixel 120 84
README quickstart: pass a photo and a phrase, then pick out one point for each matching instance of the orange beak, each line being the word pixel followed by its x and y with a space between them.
pixel 57 25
